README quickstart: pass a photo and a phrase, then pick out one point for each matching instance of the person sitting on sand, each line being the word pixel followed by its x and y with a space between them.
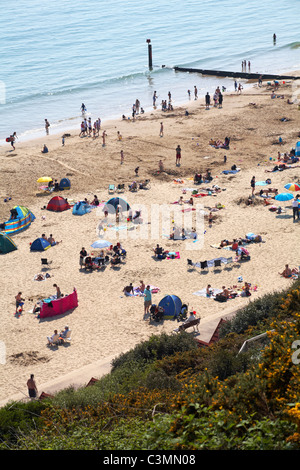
pixel 115 259
pixel 45 149
pixel 288 272
pixel 95 201
pixel 158 250
pixel 142 286
pixel 128 290
pixel 198 178
pixel 52 241
pixel 209 291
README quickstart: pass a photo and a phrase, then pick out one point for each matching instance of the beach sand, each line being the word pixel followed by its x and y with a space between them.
pixel 106 323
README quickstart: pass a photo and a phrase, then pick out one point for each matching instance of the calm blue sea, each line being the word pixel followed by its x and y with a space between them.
pixel 57 54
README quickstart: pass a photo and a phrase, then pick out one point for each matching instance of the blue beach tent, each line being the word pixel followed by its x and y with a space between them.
pixel 297 150
pixel 113 203
pixel 171 305
pixel 40 244
pixel 81 208
pixel 65 183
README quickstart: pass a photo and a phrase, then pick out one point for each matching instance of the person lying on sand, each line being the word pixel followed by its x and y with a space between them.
pixel 267 191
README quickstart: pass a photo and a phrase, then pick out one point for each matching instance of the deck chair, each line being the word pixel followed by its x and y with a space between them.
pixel 203 265
pixel 67 338
pixel 121 188
pixel 45 262
pixel 217 263
pixel 190 262
pixel 111 188
pixel 54 340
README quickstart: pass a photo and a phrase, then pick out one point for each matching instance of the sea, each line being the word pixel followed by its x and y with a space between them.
pixel 57 54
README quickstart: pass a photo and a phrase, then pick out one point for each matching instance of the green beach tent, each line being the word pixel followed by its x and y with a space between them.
pixel 6 243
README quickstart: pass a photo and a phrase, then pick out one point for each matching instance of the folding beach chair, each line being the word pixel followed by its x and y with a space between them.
pixel 203 265
pixel 111 188
pixel 121 188
pixel 217 263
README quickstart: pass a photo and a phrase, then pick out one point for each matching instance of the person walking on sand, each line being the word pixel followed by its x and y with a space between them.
pixel 32 388
pixel 122 157
pixel 12 139
pixel 47 125
pixel 252 183
pixel 19 301
pixel 103 138
pixel 178 155
pixel 195 92
pixel 147 299
pixel 161 132
pixel 220 100
pixel 295 206
pixel 154 99
pixel 207 100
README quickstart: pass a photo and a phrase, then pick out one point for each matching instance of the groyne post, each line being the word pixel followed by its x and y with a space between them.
pixel 149 53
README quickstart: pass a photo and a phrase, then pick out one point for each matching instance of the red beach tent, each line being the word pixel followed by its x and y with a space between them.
pixel 58 204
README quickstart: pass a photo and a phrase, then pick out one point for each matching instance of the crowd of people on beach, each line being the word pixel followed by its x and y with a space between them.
pixel 116 254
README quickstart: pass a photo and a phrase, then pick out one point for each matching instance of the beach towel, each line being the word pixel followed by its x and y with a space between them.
pixel 173 255
pixel 231 172
pixel 202 293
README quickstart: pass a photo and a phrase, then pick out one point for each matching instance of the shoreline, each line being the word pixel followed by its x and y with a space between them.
pixel 105 321
pixel 113 118
pixel 32 135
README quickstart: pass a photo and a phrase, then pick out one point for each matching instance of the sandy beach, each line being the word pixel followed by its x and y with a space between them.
pixel 107 323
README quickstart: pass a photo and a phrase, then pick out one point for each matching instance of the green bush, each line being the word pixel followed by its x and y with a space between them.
pixel 17 418
pixel 157 347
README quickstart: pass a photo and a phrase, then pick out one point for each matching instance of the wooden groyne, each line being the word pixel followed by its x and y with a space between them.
pixel 244 75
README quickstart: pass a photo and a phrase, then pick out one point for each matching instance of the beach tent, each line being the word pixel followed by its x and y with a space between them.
pixel 58 204
pixel 6 244
pixel 65 183
pixel 113 203
pixel 81 208
pixel 297 150
pixel 20 219
pixel 171 305
pixel 40 244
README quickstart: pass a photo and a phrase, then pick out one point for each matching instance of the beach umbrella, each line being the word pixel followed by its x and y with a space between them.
pixel 101 244
pixel 292 187
pixel 44 179
pixel 113 203
pixel 284 197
